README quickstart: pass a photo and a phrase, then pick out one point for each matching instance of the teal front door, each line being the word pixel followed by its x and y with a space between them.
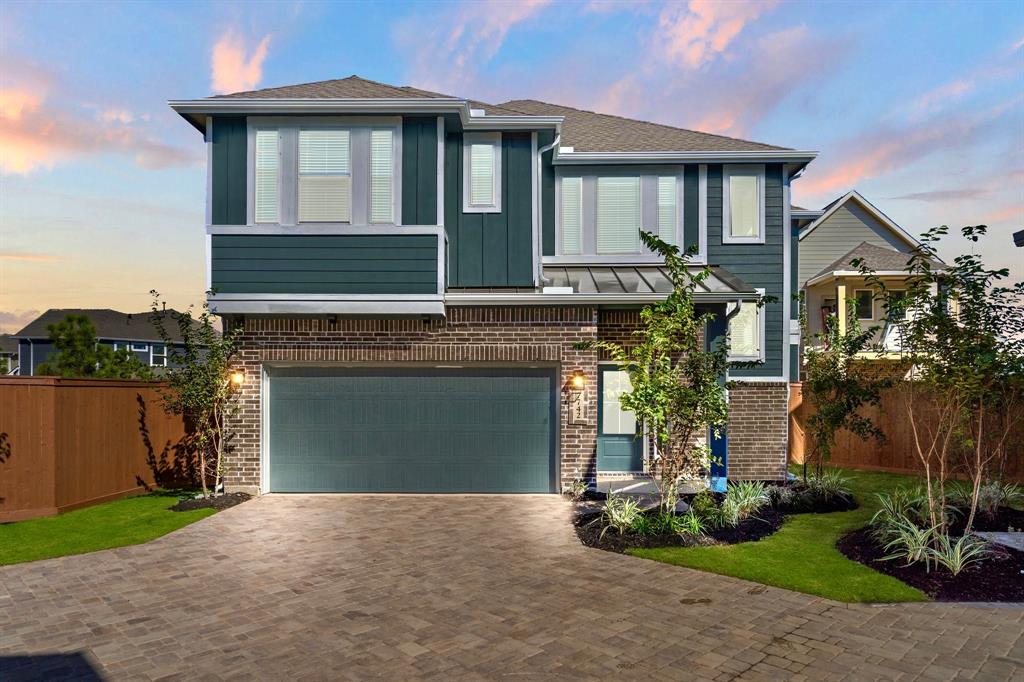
pixel 618 447
pixel 411 430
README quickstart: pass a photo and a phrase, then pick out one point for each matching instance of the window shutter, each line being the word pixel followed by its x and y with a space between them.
pixel 325 181
pixel 618 215
pixel 381 171
pixel 572 215
pixel 667 213
pixel 481 174
pixel 266 203
pixel 743 206
pixel 744 332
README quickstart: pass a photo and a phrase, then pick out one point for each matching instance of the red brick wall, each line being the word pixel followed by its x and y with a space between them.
pixel 495 335
pixel 758 428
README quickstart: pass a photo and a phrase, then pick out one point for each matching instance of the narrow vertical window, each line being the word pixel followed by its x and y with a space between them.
pixel 381 176
pixel 266 162
pixel 745 333
pixel 325 176
pixel 572 215
pixel 481 181
pixel 743 198
pixel 668 214
pixel 618 215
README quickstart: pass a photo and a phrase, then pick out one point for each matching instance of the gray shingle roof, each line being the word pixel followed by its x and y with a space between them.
pixel 589 131
pixel 877 258
pixel 585 131
pixel 8 344
pixel 110 324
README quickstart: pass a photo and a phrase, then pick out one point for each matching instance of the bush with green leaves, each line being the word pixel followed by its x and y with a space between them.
pixel 780 495
pixel 747 498
pixel 904 539
pixel 829 485
pixel 620 513
pixel 991 496
pixel 576 489
pixel 704 504
pixel 956 556
pixel 79 354
pixel 690 524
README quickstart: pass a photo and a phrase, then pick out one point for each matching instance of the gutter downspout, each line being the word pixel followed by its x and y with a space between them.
pixel 540 209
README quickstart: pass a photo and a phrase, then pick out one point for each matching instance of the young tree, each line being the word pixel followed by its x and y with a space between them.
pixel 837 386
pixel 79 354
pixel 964 340
pixel 677 390
pixel 199 382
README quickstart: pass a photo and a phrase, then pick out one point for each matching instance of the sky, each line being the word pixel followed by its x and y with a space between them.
pixel 919 106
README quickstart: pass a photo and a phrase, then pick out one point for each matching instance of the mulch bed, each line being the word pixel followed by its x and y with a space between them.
pixel 807 504
pixel 1004 519
pixel 1000 578
pixel 218 502
pixel 589 526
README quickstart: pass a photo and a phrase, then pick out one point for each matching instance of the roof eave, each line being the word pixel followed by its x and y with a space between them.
pixel 748 156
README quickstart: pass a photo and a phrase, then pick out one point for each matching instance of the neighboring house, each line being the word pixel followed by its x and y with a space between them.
pixel 414 273
pixel 846 230
pixel 8 354
pixel 132 331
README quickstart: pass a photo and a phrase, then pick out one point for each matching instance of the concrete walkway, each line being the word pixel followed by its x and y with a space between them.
pixel 453 588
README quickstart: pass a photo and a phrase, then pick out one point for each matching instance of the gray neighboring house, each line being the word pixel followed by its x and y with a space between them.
pixel 414 273
pixel 132 331
pixel 8 354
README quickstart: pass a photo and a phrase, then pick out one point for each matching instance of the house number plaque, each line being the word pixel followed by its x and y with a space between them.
pixel 577 408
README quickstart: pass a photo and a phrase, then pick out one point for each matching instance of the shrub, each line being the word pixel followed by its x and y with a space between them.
pixel 576 489
pixel 745 499
pixel 902 504
pixel 703 505
pixel 780 495
pixel 620 513
pixel 905 540
pixel 830 484
pixel 991 496
pixel 690 524
pixel 956 556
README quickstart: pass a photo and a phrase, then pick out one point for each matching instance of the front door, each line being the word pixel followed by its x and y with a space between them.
pixel 618 447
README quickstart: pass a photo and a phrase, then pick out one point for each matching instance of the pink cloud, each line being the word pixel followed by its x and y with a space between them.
pixel 232 68
pixel 694 34
pixel 944 93
pixel 29 257
pixel 1013 213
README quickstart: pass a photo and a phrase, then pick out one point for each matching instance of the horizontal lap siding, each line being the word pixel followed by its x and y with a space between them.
pixel 335 264
pixel 759 265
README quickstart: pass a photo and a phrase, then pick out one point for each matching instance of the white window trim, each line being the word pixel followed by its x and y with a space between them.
pixel 729 170
pixel 468 140
pixel 139 347
pixel 288 169
pixel 760 357
pixel 856 298
pixel 648 216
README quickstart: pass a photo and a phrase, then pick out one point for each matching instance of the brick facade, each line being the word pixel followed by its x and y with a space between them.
pixel 758 430
pixel 507 335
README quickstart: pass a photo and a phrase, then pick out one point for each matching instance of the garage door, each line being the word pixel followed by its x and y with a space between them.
pixel 436 430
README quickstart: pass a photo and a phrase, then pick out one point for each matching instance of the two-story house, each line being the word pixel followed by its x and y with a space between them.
pixel 413 273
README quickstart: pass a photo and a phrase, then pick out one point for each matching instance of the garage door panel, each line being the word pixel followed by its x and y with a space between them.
pixel 422 431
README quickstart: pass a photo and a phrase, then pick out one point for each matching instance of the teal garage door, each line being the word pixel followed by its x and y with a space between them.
pixel 436 430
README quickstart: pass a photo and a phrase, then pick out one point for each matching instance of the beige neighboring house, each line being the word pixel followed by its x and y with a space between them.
pixel 848 229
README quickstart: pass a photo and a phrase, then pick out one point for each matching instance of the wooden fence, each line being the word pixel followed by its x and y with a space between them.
pixel 68 443
pixel 896 453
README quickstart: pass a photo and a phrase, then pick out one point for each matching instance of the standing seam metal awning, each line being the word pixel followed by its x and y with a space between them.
pixel 637 279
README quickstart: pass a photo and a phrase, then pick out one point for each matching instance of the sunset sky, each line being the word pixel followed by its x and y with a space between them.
pixel 919 106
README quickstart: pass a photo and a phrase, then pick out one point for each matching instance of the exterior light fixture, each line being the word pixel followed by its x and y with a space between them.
pixel 238 377
pixel 579 380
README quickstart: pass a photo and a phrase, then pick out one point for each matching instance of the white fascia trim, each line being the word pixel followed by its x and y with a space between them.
pixel 870 208
pixel 535 299
pixel 780 156
pixel 263 306
pixel 800 215
pixel 758 380
pixel 825 276
pixel 326 229
pixel 438 105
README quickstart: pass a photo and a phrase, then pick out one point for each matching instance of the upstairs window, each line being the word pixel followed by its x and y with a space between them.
pixel 267 160
pixel 572 215
pixel 668 211
pixel 481 171
pixel 743 204
pixel 618 215
pixel 746 332
pixel 325 177
pixel 381 184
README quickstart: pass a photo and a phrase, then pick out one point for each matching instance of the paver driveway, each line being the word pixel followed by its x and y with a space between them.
pixel 396 588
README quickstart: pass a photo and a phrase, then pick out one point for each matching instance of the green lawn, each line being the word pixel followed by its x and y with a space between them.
pixel 802 555
pixel 112 524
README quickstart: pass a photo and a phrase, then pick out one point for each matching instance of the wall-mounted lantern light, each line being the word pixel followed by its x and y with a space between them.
pixel 237 377
pixel 578 381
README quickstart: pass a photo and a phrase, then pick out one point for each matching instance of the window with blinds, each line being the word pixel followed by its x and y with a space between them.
pixel 266 206
pixel 745 333
pixel 744 204
pixel 618 215
pixel 381 180
pixel 572 216
pixel 481 174
pixel 668 214
pixel 325 176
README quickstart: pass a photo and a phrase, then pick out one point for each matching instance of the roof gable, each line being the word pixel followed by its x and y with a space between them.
pixel 110 324
pixel 853 195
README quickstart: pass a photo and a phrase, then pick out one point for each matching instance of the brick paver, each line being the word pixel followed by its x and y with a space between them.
pixel 453 588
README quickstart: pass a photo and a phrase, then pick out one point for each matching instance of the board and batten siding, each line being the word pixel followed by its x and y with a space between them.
pixel 759 265
pixel 327 264
pixel 229 158
pixel 491 249
pixel 419 170
pixel 842 231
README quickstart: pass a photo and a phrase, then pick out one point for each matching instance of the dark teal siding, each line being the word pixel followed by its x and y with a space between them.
pixel 412 430
pixel 229 170
pixel 491 249
pixel 795 303
pixel 691 207
pixel 759 265
pixel 419 170
pixel 332 264
pixel 547 193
